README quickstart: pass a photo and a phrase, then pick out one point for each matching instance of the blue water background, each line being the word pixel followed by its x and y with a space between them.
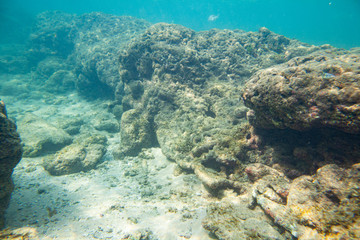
pixel 336 22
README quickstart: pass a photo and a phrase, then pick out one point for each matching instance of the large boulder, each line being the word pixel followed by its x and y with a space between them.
pixel 188 84
pixel 52 35
pixel 10 155
pixel 321 90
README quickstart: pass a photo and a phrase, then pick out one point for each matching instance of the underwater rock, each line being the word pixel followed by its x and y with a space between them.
pixel 325 205
pixel 98 45
pixel 167 51
pixel 10 155
pixel 136 132
pixel 320 90
pixel 23 233
pixel 71 125
pixel 41 137
pixel 189 83
pixel 48 66
pixel 141 234
pixel 90 44
pixel 108 125
pixel 82 155
pixel 52 35
pixel 235 221
pixel 60 81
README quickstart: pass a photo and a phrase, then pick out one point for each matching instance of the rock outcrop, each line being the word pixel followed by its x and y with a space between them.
pixel 320 90
pixel 90 44
pixel 10 155
pixel 186 85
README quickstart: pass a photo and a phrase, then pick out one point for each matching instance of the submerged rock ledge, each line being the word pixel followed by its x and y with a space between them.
pixel 320 90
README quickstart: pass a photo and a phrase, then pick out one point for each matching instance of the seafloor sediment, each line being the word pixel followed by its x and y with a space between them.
pixel 140 131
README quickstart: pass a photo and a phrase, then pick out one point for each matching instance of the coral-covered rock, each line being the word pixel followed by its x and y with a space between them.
pixel 10 155
pixel 100 40
pixel 320 90
pixel 189 83
pixel 168 52
pixel 82 155
pixel 325 205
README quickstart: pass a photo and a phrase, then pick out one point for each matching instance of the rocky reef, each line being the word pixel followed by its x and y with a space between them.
pixel 187 87
pixel 10 155
pixel 89 45
pixel 268 124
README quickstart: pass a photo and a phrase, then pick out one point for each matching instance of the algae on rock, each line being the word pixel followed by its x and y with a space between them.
pixel 10 155
pixel 41 137
pixel 189 84
pixel 320 90
pixel 83 155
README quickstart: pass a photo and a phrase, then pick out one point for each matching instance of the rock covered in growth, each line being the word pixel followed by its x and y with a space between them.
pixel 187 84
pixel 10 155
pixel 234 221
pixel 100 40
pixel 82 155
pixel 321 90
pixel 90 44
pixel 173 53
pixel 322 206
pixel 136 132
pixel 23 233
pixel 41 137
pixel 52 34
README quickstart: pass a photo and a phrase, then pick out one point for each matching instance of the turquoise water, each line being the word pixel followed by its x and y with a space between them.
pixel 335 22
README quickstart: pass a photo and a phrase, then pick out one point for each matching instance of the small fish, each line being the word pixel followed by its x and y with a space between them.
pixel 327 75
pixel 212 18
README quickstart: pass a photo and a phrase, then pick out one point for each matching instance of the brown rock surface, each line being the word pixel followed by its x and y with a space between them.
pixel 186 85
pixel 322 206
pixel 315 91
pixel 10 155
pixel 82 155
pixel 40 136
